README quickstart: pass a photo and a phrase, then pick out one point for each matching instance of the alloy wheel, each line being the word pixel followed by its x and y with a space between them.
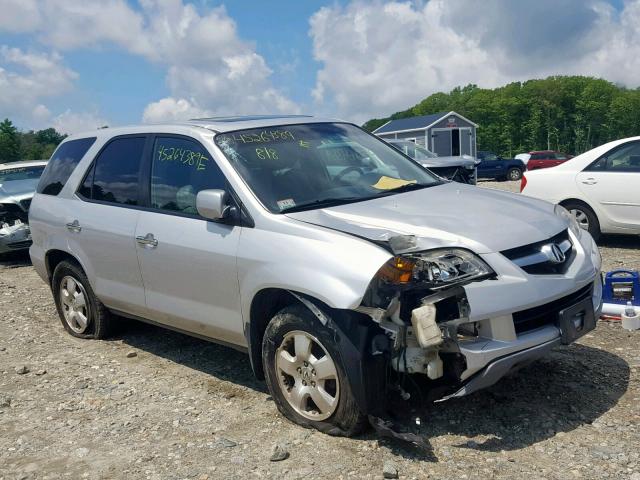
pixel 75 308
pixel 307 376
pixel 514 175
pixel 581 217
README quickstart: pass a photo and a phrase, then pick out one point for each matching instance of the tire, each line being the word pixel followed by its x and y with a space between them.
pixel 514 174
pixel 585 216
pixel 302 384
pixel 70 278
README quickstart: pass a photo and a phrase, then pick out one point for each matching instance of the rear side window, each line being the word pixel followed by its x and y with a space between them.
pixel 180 168
pixel 113 177
pixel 62 163
pixel 625 158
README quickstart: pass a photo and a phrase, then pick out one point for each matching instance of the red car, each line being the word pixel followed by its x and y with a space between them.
pixel 545 159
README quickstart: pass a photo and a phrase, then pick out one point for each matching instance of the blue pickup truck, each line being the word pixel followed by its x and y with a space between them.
pixel 496 167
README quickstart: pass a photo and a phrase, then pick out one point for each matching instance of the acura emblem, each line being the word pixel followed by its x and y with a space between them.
pixel 553 253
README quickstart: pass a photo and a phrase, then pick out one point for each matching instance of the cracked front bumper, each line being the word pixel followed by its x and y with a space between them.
pixel 518 312
pixel 15 237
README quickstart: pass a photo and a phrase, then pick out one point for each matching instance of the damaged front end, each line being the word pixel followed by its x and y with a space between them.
pixel 417 298
pixel 14 228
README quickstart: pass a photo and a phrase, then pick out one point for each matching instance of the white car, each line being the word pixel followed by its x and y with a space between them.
pixel 601 187
pixel 524 157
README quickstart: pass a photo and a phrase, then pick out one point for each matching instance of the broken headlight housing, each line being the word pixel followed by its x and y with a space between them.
pixel 435 269
pixel 562 212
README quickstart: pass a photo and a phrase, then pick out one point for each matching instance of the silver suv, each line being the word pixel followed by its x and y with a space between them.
pixel 338 263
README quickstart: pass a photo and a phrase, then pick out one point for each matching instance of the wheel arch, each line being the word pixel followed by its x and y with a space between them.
pixel 264 305
pixel 53 257
pixel 582 202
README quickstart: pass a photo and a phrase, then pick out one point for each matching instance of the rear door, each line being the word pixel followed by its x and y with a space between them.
pixel 101 223
pixel 188 263
pixel 613 183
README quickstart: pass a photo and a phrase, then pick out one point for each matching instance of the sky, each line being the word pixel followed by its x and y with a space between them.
pixel 79 64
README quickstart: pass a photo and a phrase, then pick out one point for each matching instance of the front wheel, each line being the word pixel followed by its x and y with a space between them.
pixel 514 174
pixel 305 375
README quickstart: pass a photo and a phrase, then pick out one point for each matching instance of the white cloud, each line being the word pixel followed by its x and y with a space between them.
pixel 73 122
pixel 206 60
pixel 172 109
pixel 19 15
pixel 378 58
pixel 26 78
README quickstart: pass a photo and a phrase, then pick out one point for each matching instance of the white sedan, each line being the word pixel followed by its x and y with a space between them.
pixel 601 187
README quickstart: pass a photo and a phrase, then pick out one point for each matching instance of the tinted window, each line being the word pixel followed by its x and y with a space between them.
pixel 180 168
pixel 61 165
pixel 625 158
pixel 87 183
pixel 117 170
pixel 22 173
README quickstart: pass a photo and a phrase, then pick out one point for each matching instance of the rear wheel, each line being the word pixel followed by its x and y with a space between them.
pixel 514 174
pixel 305 375
pixel 80 311
pixel 585 217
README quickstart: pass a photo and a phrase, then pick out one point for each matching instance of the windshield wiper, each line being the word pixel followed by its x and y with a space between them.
pixel 408 187
pixel 322 203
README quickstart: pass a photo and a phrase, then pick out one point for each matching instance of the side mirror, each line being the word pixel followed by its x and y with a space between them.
pixel 212 204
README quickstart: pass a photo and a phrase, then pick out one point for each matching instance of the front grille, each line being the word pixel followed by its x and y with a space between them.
pixel 457 174
pixel 547 314
pixel 532 259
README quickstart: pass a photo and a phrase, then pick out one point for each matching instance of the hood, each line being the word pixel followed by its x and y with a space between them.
pixel 17 190
pixel 446 215
pixel 436 162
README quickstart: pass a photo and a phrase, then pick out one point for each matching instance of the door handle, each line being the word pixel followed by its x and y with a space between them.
pixel 590 181
pixel 147 241
pixel 74 226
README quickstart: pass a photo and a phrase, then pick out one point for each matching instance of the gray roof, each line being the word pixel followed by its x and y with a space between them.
pixel 225 124
pixel 416 123
pixel 22 163
pixel 412 123
pixel 215 124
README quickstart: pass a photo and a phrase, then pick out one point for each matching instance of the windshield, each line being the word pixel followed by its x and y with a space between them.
pixel 307 166
pixel 21 173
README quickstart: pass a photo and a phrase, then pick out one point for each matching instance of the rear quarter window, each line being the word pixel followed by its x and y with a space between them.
pixel 63 161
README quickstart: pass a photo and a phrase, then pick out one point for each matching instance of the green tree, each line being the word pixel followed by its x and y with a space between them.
pixel 570 114
pixel 9 142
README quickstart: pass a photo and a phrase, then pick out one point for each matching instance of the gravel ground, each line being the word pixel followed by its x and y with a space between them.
pixel 151 403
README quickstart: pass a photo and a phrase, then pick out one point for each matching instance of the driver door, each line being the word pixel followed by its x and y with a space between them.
pixel 188 263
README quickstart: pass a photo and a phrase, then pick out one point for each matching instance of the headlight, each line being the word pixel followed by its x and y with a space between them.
pixel 562 212
pixel 469 166
pixel 435 268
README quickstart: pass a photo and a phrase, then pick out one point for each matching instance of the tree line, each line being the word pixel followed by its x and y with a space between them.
pixel 571 114
pixel 32 145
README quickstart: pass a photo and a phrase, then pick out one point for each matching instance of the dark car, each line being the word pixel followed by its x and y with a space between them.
pixel 495 167
pixel 460 169
pixel 545 159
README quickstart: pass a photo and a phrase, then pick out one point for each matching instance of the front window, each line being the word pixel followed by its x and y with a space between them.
pixel 180 168
pixel 21 173
pixel 299 167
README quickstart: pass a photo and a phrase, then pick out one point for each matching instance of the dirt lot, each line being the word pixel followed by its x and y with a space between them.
pixel 154 404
